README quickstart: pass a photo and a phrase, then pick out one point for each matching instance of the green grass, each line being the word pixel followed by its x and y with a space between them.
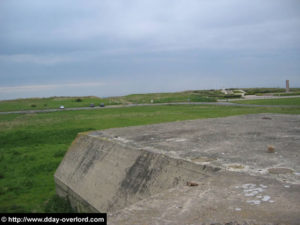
pixel 70 102
pixel 185 96
pixel 53 103
pixel 192 96
pixel 33 145
pixel 287 94
pixel 262 91
pixel 279 101
pixel 253 91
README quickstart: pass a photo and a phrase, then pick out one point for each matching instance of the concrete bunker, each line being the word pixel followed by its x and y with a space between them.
pixel 120 170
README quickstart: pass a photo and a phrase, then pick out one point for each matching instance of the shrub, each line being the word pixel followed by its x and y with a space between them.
pixel 232 96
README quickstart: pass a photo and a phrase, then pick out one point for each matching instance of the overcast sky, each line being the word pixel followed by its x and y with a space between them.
pixel 117 47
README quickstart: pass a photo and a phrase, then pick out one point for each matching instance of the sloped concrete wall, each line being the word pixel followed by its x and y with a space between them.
pixel 139 174
pixel 103 174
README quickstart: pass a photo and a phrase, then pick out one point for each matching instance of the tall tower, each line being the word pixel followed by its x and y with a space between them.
pixel 287 86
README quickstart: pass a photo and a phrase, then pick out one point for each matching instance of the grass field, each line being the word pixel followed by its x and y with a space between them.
pixel 192 96
pixel 287 94
pixel 279 101
pixel 71 102
pixel 32 145
pixel 257 91
pixel 53 103
pixel 184 96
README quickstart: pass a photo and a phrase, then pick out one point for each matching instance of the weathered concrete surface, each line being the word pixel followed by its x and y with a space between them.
pixel 109 175
pixel 139 174
pixel 223 198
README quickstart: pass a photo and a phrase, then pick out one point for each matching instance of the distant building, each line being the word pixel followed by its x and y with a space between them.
pixel 287 86
pixel 227 92
pixel 224 91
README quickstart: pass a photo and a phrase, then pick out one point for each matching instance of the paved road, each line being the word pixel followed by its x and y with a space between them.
pixel 135 105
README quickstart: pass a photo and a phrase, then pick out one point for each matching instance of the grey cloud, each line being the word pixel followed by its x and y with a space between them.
pixel 188 24
pixel 44 42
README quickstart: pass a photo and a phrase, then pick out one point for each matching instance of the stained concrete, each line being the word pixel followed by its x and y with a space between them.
pixel 139 175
